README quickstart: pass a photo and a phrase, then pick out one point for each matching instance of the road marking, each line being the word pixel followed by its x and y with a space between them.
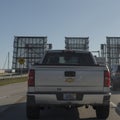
pixel 21 99
pixel 2 97
pixel 114 105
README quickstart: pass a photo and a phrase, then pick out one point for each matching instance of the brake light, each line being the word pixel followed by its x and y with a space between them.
pixel 106 79
pixel 31 79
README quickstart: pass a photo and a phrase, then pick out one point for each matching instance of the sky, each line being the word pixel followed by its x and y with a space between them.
pixel 57 19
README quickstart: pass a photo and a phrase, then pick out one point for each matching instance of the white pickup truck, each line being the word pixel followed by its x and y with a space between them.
pixel 71 79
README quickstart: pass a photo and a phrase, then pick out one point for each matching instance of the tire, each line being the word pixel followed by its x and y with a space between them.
pixel 102 111
pixel 32 112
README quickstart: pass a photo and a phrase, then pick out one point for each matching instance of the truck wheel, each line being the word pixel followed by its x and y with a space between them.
pixel 102 111
pixel 32 112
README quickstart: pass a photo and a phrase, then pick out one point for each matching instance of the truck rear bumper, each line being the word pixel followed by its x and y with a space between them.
pixel 59 99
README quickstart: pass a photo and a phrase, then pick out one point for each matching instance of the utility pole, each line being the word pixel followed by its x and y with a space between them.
pixel 8 60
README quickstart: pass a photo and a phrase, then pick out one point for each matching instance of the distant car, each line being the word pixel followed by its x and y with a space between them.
pixel 115 77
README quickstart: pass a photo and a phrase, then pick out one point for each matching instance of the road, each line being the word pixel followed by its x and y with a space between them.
pixel 13 102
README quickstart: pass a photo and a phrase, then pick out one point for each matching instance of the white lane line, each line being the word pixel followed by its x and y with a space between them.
pixel 114 105
pixel 2 97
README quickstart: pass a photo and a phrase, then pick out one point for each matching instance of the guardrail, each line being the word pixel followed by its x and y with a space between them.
pixel 12 76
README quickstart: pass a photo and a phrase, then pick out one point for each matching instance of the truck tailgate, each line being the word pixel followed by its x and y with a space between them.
pixel 84 76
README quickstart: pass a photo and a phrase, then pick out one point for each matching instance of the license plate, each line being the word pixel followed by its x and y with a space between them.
pixel 69 96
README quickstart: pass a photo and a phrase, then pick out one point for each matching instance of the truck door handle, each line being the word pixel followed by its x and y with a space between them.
pixel 69 73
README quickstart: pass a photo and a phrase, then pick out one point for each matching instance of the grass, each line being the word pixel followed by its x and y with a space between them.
pixel 12 80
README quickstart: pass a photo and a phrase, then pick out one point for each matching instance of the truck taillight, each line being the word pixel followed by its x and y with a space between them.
pixel 106 79
pixel 31 79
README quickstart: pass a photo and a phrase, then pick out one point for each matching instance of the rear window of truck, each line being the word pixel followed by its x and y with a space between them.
pixel 80 59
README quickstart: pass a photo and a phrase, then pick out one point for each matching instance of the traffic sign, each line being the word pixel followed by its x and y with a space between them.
pixel 21 60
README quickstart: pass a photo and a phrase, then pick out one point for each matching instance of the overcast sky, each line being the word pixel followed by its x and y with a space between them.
pixel 57 19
